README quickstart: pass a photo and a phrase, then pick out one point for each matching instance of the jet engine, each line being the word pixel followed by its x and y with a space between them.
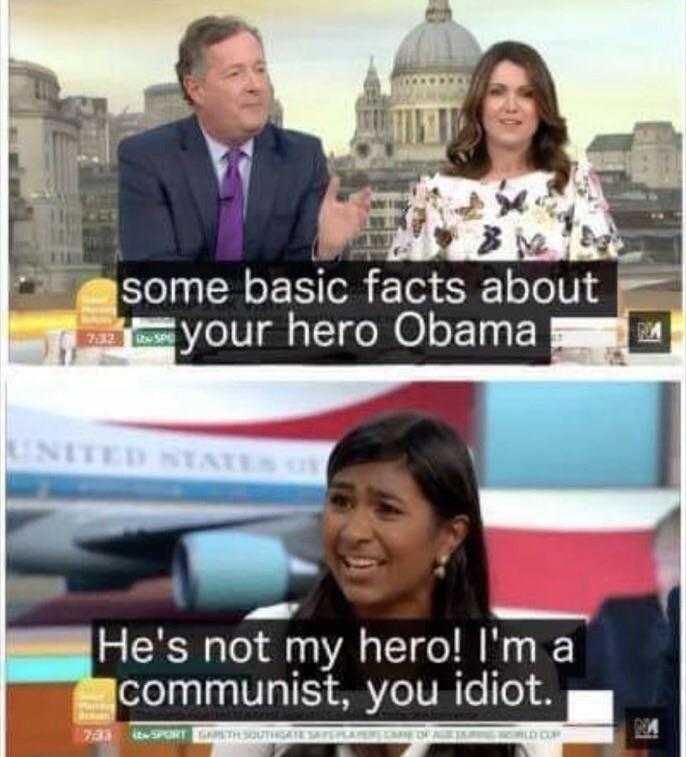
pixel 225 569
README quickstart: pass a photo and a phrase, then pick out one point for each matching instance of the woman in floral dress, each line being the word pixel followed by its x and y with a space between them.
pixel 509 192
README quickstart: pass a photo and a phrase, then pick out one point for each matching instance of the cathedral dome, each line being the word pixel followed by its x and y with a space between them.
pixel 437 45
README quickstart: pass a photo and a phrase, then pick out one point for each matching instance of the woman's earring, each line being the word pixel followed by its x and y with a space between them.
pixel 439 570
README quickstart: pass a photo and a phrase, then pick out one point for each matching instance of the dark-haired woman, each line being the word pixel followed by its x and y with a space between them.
pixel 510 192
pixel 403 539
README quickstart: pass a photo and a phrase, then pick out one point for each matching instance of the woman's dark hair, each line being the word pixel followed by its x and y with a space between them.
pixel 468 154
pixel 440 463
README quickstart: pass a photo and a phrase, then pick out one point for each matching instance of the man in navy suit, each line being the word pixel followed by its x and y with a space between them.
pixel 172 180
pixel 668 694
pixel 626 640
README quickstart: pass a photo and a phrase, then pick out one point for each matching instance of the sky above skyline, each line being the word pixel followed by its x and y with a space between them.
pixel 614 63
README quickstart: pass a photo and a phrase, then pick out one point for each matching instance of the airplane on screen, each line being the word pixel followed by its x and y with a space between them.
pixel 225 499
pixel 106 505
pixel 230 510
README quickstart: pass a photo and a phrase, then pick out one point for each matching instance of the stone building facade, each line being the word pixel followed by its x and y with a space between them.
pixel 651 155
pixel 164 103
pixel 642 179
pixel 44 139
pixel 403 135
pixel 372 142
pixel 23 249
pixel 122 125
pixel 99 188
pixel 656 155
pixel 94 131
pixel 431 74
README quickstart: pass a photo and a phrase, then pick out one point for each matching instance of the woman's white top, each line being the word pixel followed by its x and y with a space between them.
pixel 523 218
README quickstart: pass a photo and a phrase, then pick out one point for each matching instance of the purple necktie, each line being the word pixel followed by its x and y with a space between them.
pixel 230 227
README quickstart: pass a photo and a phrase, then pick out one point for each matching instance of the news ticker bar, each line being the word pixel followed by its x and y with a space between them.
pixel 472 733
pixel 590 722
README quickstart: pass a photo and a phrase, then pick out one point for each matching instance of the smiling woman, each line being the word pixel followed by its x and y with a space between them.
pixel 403 539
pixel 510 191
pixel 382 542
pixel 402 528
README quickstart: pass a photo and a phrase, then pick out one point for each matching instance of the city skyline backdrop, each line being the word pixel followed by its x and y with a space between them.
pixel 608 75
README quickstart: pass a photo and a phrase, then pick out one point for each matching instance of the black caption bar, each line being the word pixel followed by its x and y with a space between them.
pixel 366 312
pixel 318 671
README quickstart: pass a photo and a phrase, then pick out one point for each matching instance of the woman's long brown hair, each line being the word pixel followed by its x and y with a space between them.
pixel 468 154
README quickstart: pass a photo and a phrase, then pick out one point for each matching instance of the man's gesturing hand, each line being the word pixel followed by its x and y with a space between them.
pixel 341 221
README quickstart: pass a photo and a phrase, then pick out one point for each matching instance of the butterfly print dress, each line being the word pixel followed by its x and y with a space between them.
pixel 523 218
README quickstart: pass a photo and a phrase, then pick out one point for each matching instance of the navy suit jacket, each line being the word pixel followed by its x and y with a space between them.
pixel 625 642
pixel 168 195
pixel 668 692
